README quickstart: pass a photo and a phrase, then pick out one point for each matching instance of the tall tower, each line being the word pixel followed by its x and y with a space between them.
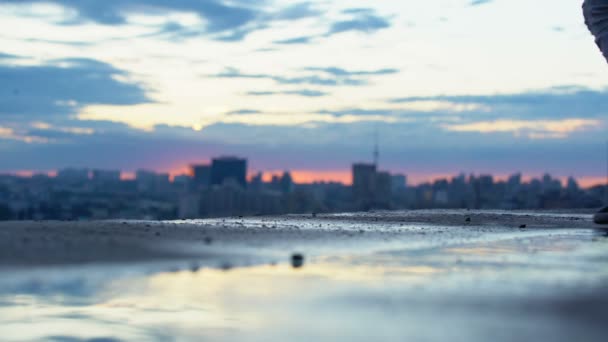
pixel 376 149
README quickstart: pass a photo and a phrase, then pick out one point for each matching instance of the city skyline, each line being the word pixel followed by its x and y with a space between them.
pixel 449 85
pixel 221 188
pixel 344 176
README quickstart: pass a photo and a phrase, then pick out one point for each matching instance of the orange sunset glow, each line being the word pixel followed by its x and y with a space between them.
pixel 337 176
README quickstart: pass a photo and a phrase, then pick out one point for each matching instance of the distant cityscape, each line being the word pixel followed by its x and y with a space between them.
pixel 221 188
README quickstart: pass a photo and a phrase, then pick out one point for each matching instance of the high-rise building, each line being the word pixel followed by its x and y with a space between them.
pixel 151 181
pixel 383 188
pixel 286 182
pixel 572 185
pixel 106 175
pixel 364 181
pixel 225 169
pixel 73 175
pixel 201 174
pixel 398 182
pixel 257 182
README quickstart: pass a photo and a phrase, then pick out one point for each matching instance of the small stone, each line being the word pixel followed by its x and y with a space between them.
pixel 208 240
pixel 468 219
pixel 314 214
pixel 297 260
pixel 523 226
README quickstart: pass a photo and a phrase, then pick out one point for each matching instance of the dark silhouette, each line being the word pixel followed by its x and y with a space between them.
pixel 601 217
pixel 596 18
pixel 297 260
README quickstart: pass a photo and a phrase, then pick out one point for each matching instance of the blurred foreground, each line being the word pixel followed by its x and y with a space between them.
pixel 423 275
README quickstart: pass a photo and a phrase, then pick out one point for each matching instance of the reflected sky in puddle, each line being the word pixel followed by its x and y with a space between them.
pixel 461 293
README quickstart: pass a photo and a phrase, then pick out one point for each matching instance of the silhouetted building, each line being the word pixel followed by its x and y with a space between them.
pixel 257 182
pixel 189 206
pixel 106 175
pixel 364 182
pixel 572 185
pixel 201 175
pixel 75 195
pixel 151 181
pixel 225 169
pixel 72 175
pixel 550 184
pixel 398 182
pixel 182 182
pixel 383 187
pixel 286 183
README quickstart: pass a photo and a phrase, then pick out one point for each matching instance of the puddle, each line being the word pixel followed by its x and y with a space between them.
pixel 515 289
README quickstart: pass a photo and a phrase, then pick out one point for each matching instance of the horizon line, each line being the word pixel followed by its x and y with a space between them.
pixel 344 177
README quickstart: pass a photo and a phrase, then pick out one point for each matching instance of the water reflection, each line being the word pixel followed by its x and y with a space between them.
pixel 474 291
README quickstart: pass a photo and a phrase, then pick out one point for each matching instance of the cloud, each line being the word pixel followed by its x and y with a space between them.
pixel 360 111
pixel 534 129
pixel 330 77
pixel 297 11
pixel 339 72
pixel 553 103
pixel 53 132
pixel 555 113
pixel 308 79
pixel 222 20
pixel 421 142
pixel 65 131
pixel 414 147
pixel 219 15
pixel 320 81
pixel 59 42
pixel 8 56
pixel 362 20
pixel 59 88
pixel 296 40
pixel 243 112
pixel 479 2
pixel 428 109
pixel 7 133
pixel 236 73
pixel 300 92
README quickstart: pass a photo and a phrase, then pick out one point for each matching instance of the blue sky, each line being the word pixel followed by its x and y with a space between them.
pixel 450 85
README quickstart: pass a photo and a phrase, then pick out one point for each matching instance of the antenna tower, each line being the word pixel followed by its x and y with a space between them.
pixel 376 149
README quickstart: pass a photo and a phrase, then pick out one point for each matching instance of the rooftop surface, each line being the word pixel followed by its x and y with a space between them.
pixel 415 275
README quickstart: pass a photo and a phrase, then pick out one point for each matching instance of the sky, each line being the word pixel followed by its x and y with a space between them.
pixel 450 86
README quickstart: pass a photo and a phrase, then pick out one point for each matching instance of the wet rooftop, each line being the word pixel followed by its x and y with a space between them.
pixel 421 276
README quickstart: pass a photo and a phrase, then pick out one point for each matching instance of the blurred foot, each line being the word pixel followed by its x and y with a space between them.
pixel 596 18
pixel 601 217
